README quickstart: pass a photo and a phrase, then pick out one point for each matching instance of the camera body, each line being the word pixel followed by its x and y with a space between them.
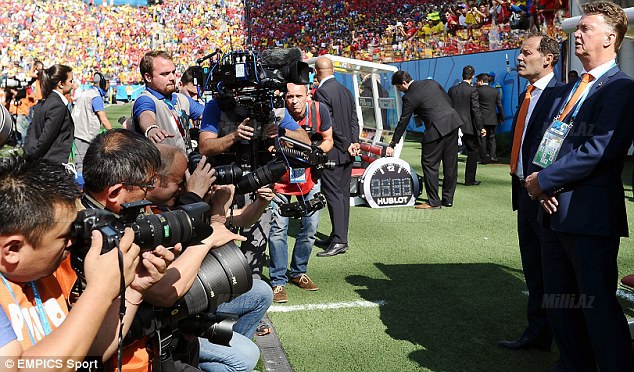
pixel 305 208
pixel 245 182
pixel 303 155
pixel 189 224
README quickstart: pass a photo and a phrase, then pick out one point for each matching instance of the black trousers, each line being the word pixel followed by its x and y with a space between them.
pixel 335 185
pixel 488 147
pixel 444 149
pixel 580 282
pixel 531 252
pixel 472 145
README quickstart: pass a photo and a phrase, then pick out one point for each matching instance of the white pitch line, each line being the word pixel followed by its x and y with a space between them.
pixel 331 306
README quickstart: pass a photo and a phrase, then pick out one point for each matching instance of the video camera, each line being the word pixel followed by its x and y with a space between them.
pixel 301 209
pixel 252 79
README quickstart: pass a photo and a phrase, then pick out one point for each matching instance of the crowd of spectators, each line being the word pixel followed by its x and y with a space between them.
pixel 404 30
pixel 112 39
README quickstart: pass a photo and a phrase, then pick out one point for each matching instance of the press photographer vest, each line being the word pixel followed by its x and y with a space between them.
pixel 173 119
pixel 86 121
pixel 312 124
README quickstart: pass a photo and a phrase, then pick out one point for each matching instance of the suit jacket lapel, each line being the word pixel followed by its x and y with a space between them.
pixel 603 80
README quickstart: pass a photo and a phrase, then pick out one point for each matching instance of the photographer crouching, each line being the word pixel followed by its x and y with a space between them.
pixel 37 214
pixel 177 185
pixel 120 168
pixel 302 183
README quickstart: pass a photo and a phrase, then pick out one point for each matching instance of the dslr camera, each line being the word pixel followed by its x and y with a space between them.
pixel 303 208
pixel 189 224
pixel 245 182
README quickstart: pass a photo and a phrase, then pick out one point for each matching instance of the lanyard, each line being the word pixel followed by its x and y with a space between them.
pixel 39 307
pixel 583 97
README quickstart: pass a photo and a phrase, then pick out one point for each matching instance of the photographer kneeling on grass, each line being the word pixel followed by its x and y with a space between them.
pixel 37 210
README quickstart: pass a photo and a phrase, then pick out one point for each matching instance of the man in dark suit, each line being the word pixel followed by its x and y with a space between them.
pixel 429 101
pixel 465 100
pixel 535 62
pixel 582 194
pixel 490 99
pixel 345 130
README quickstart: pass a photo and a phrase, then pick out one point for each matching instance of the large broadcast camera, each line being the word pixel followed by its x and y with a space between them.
pixel 252 79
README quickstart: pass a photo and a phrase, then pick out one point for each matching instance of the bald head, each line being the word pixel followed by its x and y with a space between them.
pixel 324 67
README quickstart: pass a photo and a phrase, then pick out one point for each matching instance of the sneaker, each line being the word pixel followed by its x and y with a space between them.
pixel 304 282
pixel 279 294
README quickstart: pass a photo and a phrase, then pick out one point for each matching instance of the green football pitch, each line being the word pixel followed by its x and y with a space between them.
pixel 420 289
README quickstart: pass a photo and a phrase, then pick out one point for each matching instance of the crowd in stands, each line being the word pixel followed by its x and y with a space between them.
pixel 395 31
pixel 112 39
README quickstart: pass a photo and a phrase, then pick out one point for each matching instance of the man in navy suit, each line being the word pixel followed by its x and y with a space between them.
pixel 429 101
pixel 345 130
pixel 582 193
pixel 465 100
pixel 536 62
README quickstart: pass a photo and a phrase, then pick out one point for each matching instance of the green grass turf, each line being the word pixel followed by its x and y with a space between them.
pixel 114 112
pixel 451 280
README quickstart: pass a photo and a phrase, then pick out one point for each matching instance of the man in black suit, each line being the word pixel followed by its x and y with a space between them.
pixel 465 100
pixel 429 101
pixel 345 130
pixel 490 99
pixel 582 192
pixel 535 62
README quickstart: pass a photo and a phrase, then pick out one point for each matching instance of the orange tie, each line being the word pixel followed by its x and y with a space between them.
pixel 585 79
pixel 519 129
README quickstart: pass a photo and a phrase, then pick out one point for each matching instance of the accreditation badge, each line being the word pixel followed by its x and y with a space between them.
pixel 297 175
pixel 551 143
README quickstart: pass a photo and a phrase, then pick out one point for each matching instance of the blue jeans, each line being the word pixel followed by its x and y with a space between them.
pixel 242 355
pixel 250 307
pixel 22 125
pixel 278 241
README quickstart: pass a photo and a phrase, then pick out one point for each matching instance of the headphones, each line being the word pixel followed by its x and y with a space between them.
pixel 100 80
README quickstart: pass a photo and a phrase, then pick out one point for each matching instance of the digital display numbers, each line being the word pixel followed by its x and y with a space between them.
pixel 390 187
pixel 389 182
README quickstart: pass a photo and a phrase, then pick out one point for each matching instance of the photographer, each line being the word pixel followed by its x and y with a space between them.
pixel 89 115
pixel 37 210
pixel 314 117
pixel 161 114
pixel 226 130
pixel 121 166
pixel 250 307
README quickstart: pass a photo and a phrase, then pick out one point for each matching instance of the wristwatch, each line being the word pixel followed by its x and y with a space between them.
pixel 392 144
